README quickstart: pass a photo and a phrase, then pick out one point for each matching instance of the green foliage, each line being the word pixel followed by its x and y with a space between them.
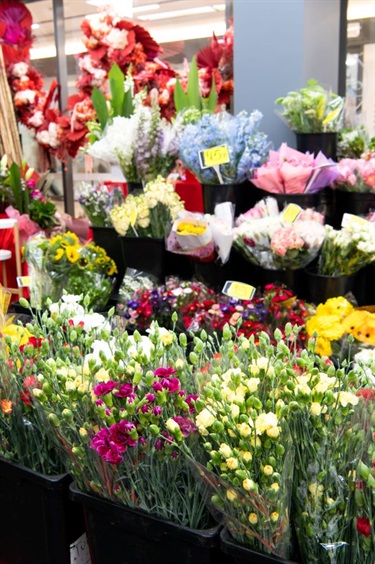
pixel 312 109
pixel 192 98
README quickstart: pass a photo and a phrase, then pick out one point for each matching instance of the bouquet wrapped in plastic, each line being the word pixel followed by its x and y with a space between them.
pixel 63 263
pixel 203 237
pixel 292 172
pixel 274 243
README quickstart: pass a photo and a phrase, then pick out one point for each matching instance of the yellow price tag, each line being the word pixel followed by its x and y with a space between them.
pixel 239 290
pixel 349 219
pixel 133 217
pixel 214 156
pixel 291 213
pixel 23 281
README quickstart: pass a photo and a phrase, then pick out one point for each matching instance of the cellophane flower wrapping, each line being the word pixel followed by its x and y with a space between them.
pixel 345 251
pixel 312 109
pixel 247 146
pixel 356 175
pixel 203 237
pixel 288 171
pixel 245 436
pixel 250 391
pixel 361 506
pixel 119 408
pixel 149 214
pixel 23 436
pixel 191 235
pixel 273 243
pixel 63 263
pixel 98 201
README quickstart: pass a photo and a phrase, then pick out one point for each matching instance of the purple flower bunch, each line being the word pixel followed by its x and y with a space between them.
pixel 155 416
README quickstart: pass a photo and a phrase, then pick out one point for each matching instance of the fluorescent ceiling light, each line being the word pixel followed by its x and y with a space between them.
pixel 219 7
pixel 148 8
pixel 178 13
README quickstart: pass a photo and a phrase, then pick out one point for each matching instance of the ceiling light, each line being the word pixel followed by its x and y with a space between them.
pixel 148 8
pixel 178 13
pixel 35 26
pixel 219 7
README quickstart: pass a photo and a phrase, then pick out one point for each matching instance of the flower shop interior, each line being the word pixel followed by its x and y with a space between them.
pixel 187 308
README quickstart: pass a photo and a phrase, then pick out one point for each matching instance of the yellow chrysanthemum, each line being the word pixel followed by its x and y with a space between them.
pixel 20 335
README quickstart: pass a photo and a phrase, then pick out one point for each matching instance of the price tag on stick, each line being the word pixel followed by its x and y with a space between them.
pixel 214 157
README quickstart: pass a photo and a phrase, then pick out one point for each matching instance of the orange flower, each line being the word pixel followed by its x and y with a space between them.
pixel 6 406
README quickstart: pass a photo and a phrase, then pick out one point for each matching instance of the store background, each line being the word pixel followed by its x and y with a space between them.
pixel 278 46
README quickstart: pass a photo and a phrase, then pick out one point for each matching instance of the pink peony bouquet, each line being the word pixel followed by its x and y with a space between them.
pixel 273 243
pixel 356 175
pixel 291 172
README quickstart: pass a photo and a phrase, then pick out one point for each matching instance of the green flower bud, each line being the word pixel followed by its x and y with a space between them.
pixel 154 429
pixel 53 419
pixel 193 357
pixel 67 414
pixel 183 339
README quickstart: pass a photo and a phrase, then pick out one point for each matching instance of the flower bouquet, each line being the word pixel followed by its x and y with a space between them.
pixel 119 408
pixel 247 146
pixel 98 201
pixel 356 175
pixel 63 263
pixel 203 237
pixel 312 109
pixel 273 243
pixel 148 214
pixel 22 191
pixel 288 171
pixel 143 143
pixel 258 402
pixel 345 251
pixel 362 500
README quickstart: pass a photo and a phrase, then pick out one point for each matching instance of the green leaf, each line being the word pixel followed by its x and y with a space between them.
pixel 116 84
pixel 211 102
pixel 16 185
pixel 180 97
pixel 194 98
pixel 127 104
pixel 100 104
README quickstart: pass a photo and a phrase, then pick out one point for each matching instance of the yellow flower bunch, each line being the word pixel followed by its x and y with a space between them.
pixel 327 324
pixel 62 248
pixel 150 213
pixel 189 228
